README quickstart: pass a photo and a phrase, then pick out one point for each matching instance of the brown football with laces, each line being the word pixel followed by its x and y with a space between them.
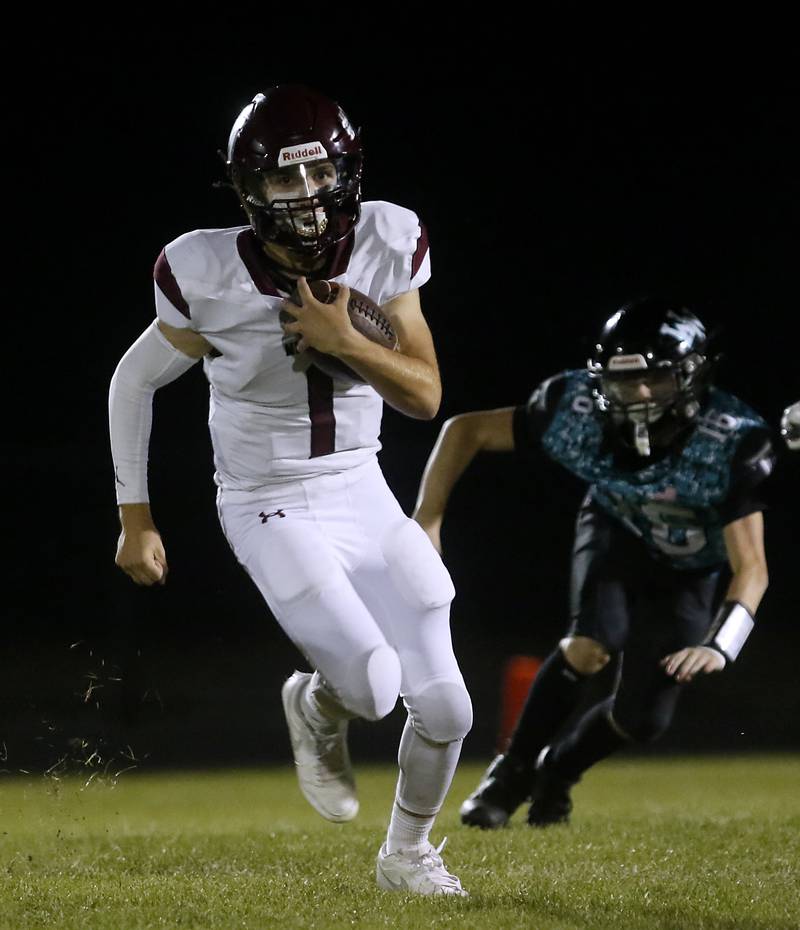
pixel 366 317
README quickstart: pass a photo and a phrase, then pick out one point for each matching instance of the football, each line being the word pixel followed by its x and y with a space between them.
pixel 366 317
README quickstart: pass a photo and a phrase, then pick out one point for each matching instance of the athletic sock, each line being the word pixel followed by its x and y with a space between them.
pixel 593 738
pixel 408 831
pixel 555 692
pixel 426 770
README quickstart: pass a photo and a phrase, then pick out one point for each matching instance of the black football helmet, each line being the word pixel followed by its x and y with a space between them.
pixel 790 426
pixel 652 369
pixel 295 161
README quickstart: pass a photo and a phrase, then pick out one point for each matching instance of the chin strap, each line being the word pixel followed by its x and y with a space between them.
pixel 731 627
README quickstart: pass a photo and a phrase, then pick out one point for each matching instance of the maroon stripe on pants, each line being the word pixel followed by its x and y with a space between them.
pixel 320 406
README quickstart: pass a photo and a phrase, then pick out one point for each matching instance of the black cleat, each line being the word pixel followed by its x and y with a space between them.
pixel 506 784
pixel 551 798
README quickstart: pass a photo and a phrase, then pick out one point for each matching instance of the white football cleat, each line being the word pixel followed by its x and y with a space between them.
pixel 321 760
pixel 421 873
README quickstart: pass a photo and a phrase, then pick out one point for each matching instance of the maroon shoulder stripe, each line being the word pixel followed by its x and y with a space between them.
pixel 168 286
pixel 421 251
pixel 320 407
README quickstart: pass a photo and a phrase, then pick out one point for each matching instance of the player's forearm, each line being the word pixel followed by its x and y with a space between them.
pixel 136 517
pixel 408 384
pixel 744 543
pixel 458 443
pixel 130 417
pixel 748 585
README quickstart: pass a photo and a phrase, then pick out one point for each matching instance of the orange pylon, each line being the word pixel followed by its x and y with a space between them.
pixel 518 676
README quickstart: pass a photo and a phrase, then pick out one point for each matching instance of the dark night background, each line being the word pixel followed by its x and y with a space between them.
pixel 557 178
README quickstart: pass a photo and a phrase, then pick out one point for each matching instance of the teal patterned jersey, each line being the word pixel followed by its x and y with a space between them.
pixel 676 504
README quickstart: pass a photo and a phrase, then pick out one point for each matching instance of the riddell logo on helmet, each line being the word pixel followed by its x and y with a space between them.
pixel 627 363
pixel 294 154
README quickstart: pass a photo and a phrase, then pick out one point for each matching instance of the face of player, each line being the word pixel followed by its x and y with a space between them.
pixel 283 187
pixel 643 395
pixel 299 181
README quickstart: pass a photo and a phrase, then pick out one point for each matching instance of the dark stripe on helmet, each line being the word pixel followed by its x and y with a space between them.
pixel 320 408
pixel 421 251
pixel 165 279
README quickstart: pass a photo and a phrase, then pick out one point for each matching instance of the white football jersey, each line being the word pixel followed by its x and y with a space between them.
pixel 272 416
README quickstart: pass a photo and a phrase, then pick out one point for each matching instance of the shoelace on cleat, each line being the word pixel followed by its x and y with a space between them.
pixel 330 750
pixel 431 861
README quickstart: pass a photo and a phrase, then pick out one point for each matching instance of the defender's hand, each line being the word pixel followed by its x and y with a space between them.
pixel 686 663
pixel 324 327
pixel 140 554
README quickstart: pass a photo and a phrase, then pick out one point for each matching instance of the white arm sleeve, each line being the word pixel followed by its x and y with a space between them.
pixel 150 363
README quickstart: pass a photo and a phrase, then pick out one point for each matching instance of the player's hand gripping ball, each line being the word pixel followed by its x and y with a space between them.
pixel 366 317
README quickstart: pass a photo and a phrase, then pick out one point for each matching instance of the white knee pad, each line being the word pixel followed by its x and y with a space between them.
pixel 415 567
pixel 371 683
pixel 441 711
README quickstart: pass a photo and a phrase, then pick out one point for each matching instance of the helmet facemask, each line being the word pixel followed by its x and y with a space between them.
pixel 636 396
pixel 305 207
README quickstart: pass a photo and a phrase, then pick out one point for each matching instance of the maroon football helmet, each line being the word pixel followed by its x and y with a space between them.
pixel 295 160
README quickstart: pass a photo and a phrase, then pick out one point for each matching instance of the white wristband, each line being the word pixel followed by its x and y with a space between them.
pixel 150 363
pixel 732 625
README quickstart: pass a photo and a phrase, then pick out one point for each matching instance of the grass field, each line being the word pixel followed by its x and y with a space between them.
pixel 654 845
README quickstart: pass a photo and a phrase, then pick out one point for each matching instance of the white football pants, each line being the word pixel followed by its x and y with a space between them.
pixel 360 590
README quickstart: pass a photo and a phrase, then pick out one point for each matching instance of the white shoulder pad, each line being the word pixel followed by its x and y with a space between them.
pixel 394 225
pixel 399 232
pixel 182 273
